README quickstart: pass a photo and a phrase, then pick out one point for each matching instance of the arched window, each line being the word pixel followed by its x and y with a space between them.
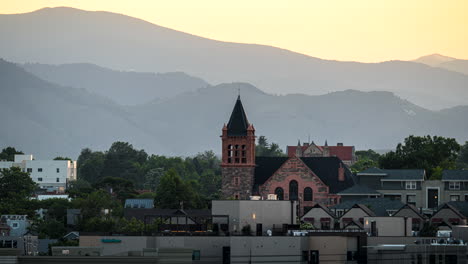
pixel 279 193
pixel 293 190
pixel 308 196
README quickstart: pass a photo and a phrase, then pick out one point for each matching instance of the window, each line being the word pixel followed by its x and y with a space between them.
pixel 454 198
pixel 466 197
pixel 293 190
pixel 58 179
pixel 411 199
pixel 244 154
pixel 236 181
pixel 39 179
pixel 454 185
pixel 410 185
pixel 325 225
pixel 229 153
pixel 14 225
pixel 39 169
pixel 29 169
pixel 279 193
pixel 308 194
pixel 393 197
pixel 58 170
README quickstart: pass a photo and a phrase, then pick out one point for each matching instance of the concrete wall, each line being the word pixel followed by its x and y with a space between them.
pixel 333 249
pixel 250 212
pixel 243 248
pixel 390 226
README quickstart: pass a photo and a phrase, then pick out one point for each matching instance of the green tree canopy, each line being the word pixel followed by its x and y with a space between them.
pixel 15 189
pixel 8 153
pixel 172 191
pixel 462 160
pixel 265 149
pixel 430 153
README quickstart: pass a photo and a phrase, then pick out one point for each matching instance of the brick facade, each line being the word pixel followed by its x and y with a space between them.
pixel 295 169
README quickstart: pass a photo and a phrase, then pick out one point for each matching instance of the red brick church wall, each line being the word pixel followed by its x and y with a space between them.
pixel 295 169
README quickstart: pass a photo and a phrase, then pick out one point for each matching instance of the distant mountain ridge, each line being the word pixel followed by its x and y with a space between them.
pixel 124 87
pixel 444 62
pixel 67 35
pixel 50 120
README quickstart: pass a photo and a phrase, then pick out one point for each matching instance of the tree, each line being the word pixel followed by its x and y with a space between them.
pixel 16 187
pixel 131 226
pixel 90 165
pixel 123 161
pixel 367 154
pixel 172 191
pixel 8 153
pixel 152 178
pixel 96 204
pixel 123 188
pixel 79 188
pixel 264 149
pixel 423 153
pixel 51 228
pixel 462 161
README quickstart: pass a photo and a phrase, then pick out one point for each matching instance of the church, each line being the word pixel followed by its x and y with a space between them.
pixel 308 180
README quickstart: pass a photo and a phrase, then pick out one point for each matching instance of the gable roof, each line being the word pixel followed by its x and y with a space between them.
pixel 459 207
pixel 404 174
pixel 238 123
pixel 455 175
pixel 359 190
pixel 364 208
pixel 326 209
pixel 326 168
pixel 411 207
pixel 377 205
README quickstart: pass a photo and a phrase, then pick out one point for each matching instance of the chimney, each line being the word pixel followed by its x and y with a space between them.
pixel 339 144
pixel 341 174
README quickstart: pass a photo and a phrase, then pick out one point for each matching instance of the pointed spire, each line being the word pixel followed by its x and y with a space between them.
pixel 238 123
pixel 298 142
pixel 326 143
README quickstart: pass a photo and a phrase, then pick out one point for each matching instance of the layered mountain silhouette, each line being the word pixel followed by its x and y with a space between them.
pixel 124 87
pixel 67 35
pixel 49 120
pixel 444 62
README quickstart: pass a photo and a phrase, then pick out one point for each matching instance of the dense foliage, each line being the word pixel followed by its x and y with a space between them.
pixel 8 154
pixel 433 154
pixel 265 149
pixel 365 159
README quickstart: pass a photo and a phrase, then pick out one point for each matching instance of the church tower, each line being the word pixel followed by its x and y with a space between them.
pixel 238 155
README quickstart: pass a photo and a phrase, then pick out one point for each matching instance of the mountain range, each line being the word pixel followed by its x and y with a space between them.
pixel 123 87
pixel 444 62
pixel 122 43
pixel 49 119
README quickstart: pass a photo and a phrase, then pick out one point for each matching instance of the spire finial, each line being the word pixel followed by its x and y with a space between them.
pixel 298 142
pixel 238 92
pixel 326 143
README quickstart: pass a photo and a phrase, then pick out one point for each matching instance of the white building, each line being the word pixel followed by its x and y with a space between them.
pixel 52 175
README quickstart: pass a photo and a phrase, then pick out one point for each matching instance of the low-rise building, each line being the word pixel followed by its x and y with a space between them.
pixel 51 175
pixel 450 214
pixel 18 224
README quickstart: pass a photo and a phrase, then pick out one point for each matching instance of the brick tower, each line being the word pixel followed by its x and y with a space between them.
pixel 238 155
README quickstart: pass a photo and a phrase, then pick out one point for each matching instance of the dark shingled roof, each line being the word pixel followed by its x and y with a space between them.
pixel 461 206
pixel 359 189
pixel 238 122
pixel 326 168
pixel 455 175
pixel 378 205
pixel 405 174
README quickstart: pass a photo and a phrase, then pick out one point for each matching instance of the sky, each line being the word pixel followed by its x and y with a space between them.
pixel 346 30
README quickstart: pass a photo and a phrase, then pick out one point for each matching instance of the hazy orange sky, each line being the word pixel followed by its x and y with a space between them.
pixel 359 30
